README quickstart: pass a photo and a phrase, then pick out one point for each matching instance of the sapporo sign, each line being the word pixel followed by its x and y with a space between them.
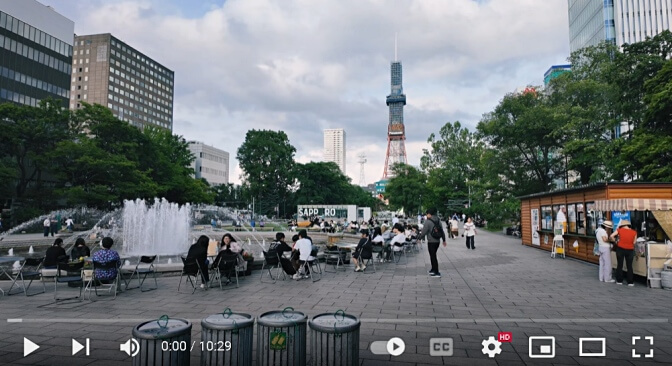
pixel 323 211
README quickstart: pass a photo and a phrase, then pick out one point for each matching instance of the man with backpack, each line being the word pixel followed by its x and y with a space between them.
pixel 433 231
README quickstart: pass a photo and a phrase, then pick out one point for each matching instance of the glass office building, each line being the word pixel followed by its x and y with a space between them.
pixel 35 53
pixel 616 21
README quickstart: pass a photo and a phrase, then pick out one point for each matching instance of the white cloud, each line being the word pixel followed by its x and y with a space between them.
pixel 302 65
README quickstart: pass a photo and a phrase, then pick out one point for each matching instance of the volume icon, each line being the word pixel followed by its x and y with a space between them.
pixel 131 347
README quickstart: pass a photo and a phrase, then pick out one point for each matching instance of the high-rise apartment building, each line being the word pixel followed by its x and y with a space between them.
pixel 334 147
pixel 210 163
pixel 616 21
pixel 35 53
pixel 109 72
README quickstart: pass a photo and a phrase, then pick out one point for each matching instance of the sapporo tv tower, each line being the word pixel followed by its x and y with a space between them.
pixel 396 134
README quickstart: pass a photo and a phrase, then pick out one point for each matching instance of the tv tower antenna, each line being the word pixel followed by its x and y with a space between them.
pixel 362 161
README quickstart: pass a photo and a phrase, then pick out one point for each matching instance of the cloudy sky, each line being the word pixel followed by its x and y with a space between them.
pixel 305 65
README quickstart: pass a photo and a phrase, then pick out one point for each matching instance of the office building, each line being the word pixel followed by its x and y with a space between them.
pixel 616 21
pixel 555 71
pixel 211 163
pixel 334 147
pixel 135 87
pixel 35 53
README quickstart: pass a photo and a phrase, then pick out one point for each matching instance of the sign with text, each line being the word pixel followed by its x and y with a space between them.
pixel 535 226
pixel 323 212
pixel 396 129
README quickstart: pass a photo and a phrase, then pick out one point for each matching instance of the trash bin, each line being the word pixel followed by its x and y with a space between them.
pixel 227 338
pixel 163 342
pixel 281 338
pixel 334 339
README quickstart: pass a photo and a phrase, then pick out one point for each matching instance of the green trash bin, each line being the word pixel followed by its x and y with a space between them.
pixel 227 339
pixel 281 338
pixel 165 342
pixel 334 339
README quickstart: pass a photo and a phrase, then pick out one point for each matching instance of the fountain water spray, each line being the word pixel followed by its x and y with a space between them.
pixel 162 228
pixel 31 250
pixel 10 252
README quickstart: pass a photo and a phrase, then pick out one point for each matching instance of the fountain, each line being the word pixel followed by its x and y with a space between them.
pixel 10 252
pixel 31 250
pixel 162 228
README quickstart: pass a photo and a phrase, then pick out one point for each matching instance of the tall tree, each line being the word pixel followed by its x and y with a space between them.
pixel 523 128
pixel 405 190
pixel 267 160
pixel 30 135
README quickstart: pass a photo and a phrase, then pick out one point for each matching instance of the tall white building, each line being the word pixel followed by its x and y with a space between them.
pixel 210 163
pixel 334 147
pixel 616 21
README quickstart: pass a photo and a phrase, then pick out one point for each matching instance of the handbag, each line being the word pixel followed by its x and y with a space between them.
pixel 596 249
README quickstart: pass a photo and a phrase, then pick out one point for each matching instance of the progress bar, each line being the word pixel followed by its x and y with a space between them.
pixel 378 320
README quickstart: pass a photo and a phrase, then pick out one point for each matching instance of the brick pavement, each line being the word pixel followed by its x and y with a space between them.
pixel 500 286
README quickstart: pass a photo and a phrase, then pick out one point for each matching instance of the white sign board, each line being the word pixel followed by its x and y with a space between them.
pixel 535 226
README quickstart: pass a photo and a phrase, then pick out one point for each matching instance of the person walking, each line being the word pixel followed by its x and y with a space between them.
pixel 46 224
pixel 469 233
pixel 625 250
pixel 434 238
pixel 602 237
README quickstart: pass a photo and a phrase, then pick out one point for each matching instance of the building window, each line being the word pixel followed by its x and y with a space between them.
pixel 547 218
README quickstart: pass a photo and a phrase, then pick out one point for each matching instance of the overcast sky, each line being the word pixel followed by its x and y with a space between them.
pixel 305 65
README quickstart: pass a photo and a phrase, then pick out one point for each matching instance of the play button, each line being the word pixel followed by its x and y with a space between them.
pixel 29 347
pixel 396 346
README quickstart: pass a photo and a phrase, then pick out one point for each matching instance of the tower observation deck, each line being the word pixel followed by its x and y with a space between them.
pixel 396 133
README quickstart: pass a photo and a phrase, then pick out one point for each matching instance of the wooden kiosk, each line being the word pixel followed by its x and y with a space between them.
pixel 647 205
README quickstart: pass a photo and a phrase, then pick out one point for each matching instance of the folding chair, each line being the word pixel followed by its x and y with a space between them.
pixel 192 269
pixel 414 245
pixel 93 282
pixel 69 273
pixel 312 266
pixel 271 262
pixel 399 252
pixel 558 243
pixel 145 267
pixel 30 270
pixel 336 258
pixel 367 255
pixel 228 263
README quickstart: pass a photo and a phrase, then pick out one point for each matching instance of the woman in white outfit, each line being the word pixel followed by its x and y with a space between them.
pixel 602 236
pixel 470 232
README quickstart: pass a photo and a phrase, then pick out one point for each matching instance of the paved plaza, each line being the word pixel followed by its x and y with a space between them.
pixel 501 286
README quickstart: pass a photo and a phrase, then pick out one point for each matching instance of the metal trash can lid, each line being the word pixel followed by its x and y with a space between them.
pixel 162 328
pixel 338 322
pixel 227 321
pixel 282 318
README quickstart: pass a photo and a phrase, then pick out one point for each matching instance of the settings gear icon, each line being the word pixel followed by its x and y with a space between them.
pixel 491 351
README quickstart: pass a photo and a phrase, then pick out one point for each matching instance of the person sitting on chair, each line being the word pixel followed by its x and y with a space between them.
pixel 106 255
pixel 304 246
pixel 199 252
pixel 378 241
pixel 279 244
pixel 397 242
pixel 80 250
pixel 55 254
pixel 364 244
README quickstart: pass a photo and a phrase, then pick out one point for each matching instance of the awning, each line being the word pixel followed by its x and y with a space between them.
pixel 631 204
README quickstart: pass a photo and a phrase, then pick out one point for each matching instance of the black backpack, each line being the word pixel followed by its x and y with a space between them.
pixel 437 231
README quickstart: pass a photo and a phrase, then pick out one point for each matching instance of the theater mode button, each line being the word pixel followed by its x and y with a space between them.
pixel 395 347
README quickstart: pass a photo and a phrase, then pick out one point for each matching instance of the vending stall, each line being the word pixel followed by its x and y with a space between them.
pixel 579 211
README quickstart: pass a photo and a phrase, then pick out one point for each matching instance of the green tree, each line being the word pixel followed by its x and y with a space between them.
pixel 523 127
pixel 169 165
pixel 321 183
pixel 406 188
pixel 267 161
pixel 30 135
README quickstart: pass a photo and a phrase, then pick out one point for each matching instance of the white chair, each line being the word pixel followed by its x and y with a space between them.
pixel 558 243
